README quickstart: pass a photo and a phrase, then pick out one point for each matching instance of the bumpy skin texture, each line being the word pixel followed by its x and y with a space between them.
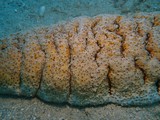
pixel 86 61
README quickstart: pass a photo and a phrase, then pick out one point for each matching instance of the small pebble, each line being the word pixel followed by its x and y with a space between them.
pixel 42 11
pixel 15 10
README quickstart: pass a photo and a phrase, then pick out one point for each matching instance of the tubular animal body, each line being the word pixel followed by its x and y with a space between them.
pixel 86 61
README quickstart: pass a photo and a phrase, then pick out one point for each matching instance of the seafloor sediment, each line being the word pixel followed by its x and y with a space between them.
pixel 86 61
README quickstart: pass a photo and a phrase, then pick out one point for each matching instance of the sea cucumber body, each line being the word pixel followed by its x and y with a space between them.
pixel 86 61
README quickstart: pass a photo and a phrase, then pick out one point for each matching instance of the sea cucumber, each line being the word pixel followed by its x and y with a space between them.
pixel 86 61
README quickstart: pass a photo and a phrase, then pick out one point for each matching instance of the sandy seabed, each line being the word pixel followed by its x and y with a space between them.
pixel 21 15
pixel 34 109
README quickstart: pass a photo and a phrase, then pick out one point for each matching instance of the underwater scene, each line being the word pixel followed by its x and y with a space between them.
pixel 79 59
